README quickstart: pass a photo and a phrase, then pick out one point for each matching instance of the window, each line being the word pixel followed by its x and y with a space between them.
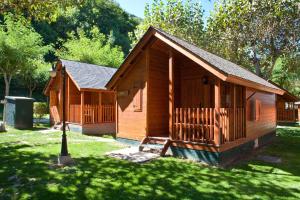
pixel 137 98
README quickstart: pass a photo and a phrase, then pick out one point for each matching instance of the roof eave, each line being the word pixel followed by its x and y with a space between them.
pixel 251 84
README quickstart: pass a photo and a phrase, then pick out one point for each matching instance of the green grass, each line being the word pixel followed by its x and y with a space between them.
pixel 27 171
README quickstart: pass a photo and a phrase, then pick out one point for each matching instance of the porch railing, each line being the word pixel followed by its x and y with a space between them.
pixel 198 124
pixel 98 114
pixel 75 113
pixel 286 115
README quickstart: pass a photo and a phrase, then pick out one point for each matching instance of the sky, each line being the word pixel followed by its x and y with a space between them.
pixel 137 7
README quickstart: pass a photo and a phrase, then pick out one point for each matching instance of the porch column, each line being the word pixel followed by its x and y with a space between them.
pixel 68 99
pixel 171 92
pixel 217 132
pixel 100 107
pixel 82 108
pixel 294 112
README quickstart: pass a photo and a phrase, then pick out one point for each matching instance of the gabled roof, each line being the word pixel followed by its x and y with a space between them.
pixel 287 95
pixel 88 76
pixel 222 68
pixel 85 76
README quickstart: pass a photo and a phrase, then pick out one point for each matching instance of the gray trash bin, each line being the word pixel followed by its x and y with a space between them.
pixel 19 112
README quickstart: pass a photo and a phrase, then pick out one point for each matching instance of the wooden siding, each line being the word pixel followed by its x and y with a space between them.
pixel 266 122
pixel 158 108
pixel 132 124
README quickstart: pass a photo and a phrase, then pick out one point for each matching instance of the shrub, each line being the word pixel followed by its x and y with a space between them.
pixel 40 109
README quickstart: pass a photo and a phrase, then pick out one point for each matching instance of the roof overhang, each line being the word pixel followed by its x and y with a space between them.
pixel 151 32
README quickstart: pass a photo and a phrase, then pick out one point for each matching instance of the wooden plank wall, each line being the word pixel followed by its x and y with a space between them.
pixel 158 113
pixel 132 124
pixel 194 93
pixel 267 120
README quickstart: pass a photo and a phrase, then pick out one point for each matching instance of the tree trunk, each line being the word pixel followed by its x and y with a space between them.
pixel 7 79
pixel 256 63
pixel 31 88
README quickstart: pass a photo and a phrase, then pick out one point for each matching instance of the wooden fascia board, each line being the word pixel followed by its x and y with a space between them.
pixel 73 80
pixel 47 88
pixel 94 90
pixel 191 56
pixel 135 51
pixel 244 82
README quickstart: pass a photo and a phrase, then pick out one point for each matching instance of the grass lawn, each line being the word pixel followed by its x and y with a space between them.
pixel 27 171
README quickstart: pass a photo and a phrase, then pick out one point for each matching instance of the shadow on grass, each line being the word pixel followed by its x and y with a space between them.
pixel 28 174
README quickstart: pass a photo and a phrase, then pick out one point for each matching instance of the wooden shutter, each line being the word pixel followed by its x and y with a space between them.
pixel 137 99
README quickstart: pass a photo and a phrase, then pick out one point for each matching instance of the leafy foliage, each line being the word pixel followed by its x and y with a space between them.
pixel 37 9
pixel 95 50
pixel 40 109
pixel 20 45
pixel 106 15
pixel 255 33
pixel 181 18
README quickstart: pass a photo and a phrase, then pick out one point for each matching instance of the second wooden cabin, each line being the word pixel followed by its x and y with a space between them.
pixel 208 108
pixel 90 108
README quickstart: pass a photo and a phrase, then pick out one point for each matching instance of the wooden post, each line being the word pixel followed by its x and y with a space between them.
pixel 234 112
pixel 217 132
pixel 294 112
pixel 82 107
pixel 100 107
pixel 171 92
pixel 68 99
pixel 147 82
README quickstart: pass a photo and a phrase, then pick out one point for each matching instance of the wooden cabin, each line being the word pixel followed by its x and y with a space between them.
pixel 201 105
pixel 90 108
pixel 287 108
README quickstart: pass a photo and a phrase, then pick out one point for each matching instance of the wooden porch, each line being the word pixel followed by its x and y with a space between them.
pixel 193 105
pixel 83 107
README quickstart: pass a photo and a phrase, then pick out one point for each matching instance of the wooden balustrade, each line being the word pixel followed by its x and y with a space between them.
pixel 98 114
pixel 74 113
pixel 286 115
pixel 197 124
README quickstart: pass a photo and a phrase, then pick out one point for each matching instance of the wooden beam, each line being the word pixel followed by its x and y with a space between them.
pixel 82 108
pixel 147 52
pixel 217 132
pixel 68 98
pixel 100 104
pixel 234 111
pixel 171 92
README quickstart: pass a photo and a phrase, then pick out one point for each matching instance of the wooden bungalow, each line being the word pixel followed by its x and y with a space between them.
pixel 287 108
pixel 203 106
pixel 90 108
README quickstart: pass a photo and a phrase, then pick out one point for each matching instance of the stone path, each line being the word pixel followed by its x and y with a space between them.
pixel 132 154
pixel 269 159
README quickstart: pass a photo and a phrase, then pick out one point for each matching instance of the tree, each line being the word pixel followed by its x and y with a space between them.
pixel 106 15
pixel 180 18
pixel 37 9
pixel 35 74
pixel 19 45
pixel 255 33
pixel 95 50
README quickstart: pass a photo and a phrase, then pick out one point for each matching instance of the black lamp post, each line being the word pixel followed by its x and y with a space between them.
pixel 64 144
pixel 64 157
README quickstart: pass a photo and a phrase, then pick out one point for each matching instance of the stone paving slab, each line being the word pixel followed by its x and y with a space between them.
pixel 132 154
pixel 269 159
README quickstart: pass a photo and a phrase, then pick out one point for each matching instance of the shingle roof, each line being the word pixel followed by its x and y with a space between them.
pixel 88 76
pixel 221 64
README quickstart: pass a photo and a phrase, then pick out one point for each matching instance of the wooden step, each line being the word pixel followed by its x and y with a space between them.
pixel 155 144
